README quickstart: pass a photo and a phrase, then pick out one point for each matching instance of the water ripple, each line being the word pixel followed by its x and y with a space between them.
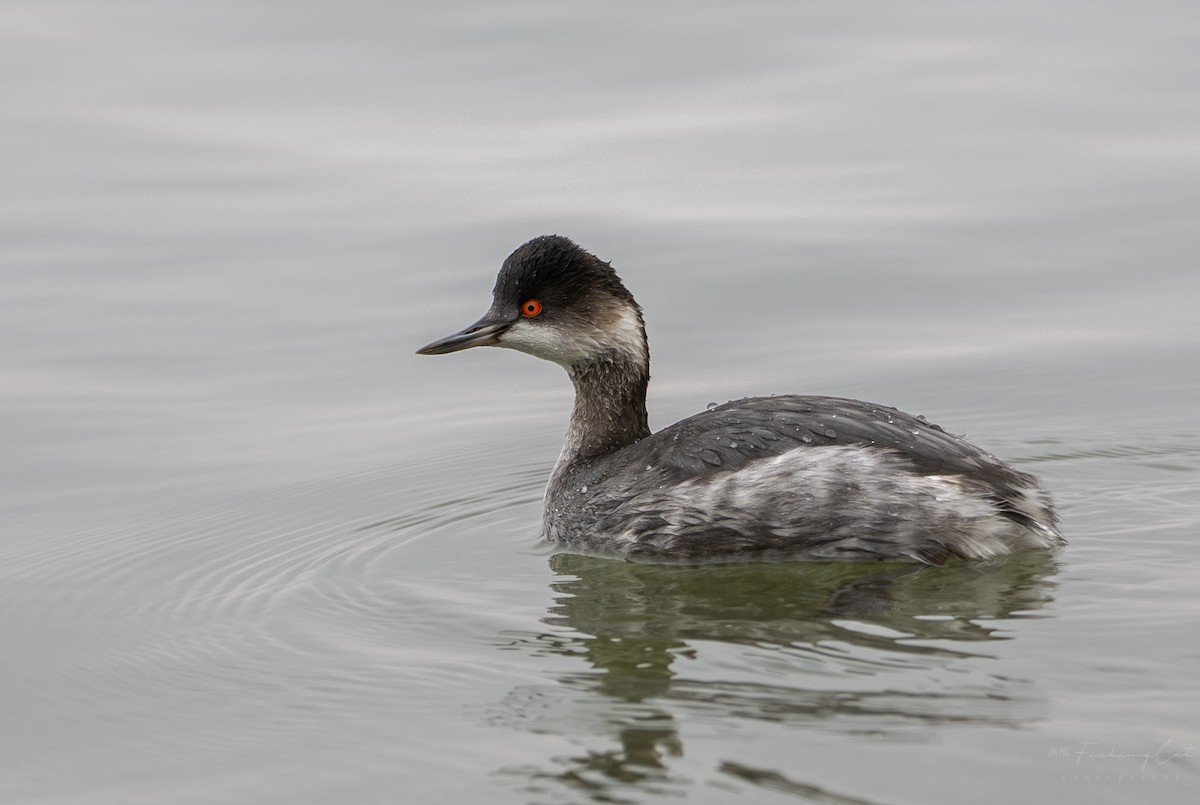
pixel 284 587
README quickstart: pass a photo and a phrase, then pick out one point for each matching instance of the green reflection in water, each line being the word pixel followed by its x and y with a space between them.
pixel 856 650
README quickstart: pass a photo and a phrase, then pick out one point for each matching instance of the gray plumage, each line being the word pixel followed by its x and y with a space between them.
pixel 766 478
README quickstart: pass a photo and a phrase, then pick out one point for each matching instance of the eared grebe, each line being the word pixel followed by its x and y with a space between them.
pixel 764 478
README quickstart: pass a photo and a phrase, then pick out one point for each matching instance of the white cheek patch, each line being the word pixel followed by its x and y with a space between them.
pixel 578 345
pixel 549 343
pixel 628 336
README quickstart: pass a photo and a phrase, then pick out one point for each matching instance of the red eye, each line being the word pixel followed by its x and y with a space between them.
pixel 531 308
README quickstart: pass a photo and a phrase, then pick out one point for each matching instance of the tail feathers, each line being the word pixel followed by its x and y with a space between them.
pixel 1031 509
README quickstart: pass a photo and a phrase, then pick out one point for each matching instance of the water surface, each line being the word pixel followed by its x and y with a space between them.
pixel 254 550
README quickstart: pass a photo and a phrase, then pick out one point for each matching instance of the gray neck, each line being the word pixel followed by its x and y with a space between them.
pixel 610 408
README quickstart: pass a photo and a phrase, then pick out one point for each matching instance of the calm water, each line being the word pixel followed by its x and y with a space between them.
pixel 253 550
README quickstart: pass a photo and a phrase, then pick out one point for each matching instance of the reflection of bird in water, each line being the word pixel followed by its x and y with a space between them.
pixel 864 649
pixel 761 478
pixel 796 604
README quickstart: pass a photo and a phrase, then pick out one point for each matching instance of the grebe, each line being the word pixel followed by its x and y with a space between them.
pixel 763 478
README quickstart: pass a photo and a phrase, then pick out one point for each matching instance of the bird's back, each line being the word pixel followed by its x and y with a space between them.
pixel 799 477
